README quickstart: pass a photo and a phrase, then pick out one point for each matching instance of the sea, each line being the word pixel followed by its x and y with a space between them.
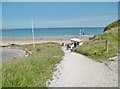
pixel 51 32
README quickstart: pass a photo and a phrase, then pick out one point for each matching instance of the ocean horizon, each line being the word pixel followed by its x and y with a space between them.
pixel 51 32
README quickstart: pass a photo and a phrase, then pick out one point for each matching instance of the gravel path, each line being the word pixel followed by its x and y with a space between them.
pixel 76 70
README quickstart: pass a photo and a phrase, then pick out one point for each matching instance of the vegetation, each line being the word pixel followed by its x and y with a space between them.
pixel 0 75
pixel 112 25
pixel 35 70
pixel 95 48
pixel 11 45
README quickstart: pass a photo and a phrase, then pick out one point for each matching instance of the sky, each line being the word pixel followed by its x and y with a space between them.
pixel 60 0
pixel 0 16
pixel 58 14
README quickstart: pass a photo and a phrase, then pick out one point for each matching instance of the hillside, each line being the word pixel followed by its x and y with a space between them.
pixel 95 48
pixel 112 25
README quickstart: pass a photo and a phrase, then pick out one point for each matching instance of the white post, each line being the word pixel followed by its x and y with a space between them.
pixel 33 34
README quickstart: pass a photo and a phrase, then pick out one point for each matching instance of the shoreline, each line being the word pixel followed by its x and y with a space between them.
pixel 45 39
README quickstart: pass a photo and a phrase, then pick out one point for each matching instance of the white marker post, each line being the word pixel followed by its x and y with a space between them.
pixel 33 34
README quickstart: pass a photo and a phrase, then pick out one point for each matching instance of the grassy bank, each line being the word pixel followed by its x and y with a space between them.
pixel 33 71
pixel 95 48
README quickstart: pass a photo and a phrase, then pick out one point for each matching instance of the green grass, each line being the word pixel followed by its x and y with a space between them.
pixel 95 48
pixel 112 25
pixel 0 75
pixel 33 71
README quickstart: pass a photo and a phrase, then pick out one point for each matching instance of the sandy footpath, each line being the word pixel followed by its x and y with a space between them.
pixel 76 70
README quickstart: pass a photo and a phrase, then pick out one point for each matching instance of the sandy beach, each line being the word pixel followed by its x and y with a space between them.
pixel 23 40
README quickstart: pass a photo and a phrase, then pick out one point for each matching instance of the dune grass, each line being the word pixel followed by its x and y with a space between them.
pixel 112 25
pixel 33 71
pixel 0 74
pixel 95 48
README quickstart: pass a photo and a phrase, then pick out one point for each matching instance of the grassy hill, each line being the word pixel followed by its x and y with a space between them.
pixel 112 25
pixel 95 48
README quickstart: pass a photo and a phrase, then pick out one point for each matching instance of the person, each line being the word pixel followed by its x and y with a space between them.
pixel 71 48
pixel 62 44
pixel 67 46
pixel 26 52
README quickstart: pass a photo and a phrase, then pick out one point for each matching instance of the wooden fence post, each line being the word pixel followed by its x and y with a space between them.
pixel 107 45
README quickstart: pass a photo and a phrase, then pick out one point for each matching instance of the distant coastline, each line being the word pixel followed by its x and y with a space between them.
pixel 51 32
pixel 42 35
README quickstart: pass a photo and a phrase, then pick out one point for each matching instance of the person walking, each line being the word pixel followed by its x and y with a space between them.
pixel 71 48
